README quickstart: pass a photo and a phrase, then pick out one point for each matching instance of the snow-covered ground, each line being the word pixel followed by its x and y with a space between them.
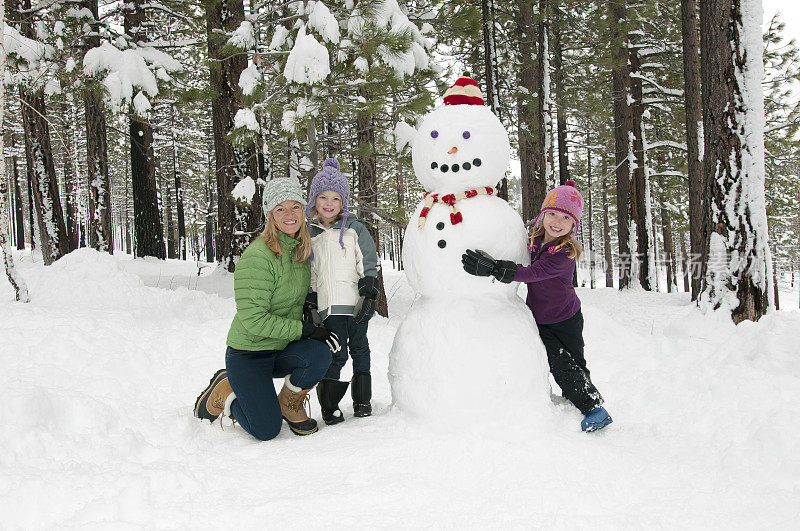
pixel 101 370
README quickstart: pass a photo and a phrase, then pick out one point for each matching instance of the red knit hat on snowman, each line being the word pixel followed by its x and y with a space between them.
pixel 565 199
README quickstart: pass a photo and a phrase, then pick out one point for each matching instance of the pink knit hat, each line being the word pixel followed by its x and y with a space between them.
pixel 565 199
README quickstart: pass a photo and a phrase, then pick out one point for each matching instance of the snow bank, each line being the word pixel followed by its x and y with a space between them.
pixel 102 368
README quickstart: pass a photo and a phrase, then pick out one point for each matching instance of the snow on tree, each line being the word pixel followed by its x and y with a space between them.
pixel 737 264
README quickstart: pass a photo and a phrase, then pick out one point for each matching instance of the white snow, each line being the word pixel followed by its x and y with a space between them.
pixel 127 69
pixel 403 135
pixel 246 118
pixel 323 22
pixel 102 368
pixel 141 104
pixel 278 38
pixel 249 79
pixel 244 190
pixel 308 62
pixel 242 36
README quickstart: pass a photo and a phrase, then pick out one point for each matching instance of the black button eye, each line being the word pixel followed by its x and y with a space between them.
pixel 434 133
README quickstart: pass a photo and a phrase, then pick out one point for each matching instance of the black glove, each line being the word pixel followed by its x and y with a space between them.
pixel 480 264
pixel 322 334
pixel 309 307
pixel 365 309
pixel 368 287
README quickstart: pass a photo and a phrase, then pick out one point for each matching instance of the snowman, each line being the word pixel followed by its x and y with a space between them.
pixel 468 346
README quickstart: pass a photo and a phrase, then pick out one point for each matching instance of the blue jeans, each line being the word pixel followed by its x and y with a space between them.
pixel 354 340
pixel 250 373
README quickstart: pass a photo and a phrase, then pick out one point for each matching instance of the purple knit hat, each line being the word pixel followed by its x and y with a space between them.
pixel 330 179
pixel 565 199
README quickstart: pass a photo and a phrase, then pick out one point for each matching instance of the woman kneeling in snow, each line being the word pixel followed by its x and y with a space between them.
pixel 267 338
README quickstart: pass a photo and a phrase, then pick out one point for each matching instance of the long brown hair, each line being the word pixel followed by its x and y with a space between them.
pixel 270 234
pixel 565 241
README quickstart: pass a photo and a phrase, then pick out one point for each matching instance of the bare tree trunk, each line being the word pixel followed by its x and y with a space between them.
pixel 737 268
pixel 694 124
pixel 237 223
pixel 18 208
pixel 589 213
pixel 623 131
pixel 638 196
pixel 178 192
pixel 561 112
pixel 366 169
pixel 490 72
pixel 686 265
pixel 101 232
pixel 16 280
pixel 607 240
pixel 669 246
pixel 531 152
pixel 70 179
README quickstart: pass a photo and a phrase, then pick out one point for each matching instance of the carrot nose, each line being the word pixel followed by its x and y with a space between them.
pixel 452 150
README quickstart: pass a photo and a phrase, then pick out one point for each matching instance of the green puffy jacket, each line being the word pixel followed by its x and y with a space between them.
pixel 269 292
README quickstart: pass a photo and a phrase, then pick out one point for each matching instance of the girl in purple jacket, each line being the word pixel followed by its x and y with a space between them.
pixel 552 298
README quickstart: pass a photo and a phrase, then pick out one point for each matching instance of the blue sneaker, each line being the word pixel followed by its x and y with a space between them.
pixel 596 419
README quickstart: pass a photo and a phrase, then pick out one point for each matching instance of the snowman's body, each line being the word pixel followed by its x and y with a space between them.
pixel 468 344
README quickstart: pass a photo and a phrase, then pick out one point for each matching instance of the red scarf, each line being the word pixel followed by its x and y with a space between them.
pixel 450 200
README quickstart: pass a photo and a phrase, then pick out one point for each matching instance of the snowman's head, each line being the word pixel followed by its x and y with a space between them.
pixel 460 147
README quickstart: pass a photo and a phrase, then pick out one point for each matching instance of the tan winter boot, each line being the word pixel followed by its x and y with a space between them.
pixel 211 402
pixel 293 410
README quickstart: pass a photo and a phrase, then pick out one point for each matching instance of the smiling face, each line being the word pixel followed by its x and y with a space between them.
pixel 556 224
pixel 328 206
pixel 288 217
pixel 460 147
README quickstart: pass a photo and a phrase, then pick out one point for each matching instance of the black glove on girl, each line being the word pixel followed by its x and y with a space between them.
pixel 480 264
pixel 365 309
pixel 322 334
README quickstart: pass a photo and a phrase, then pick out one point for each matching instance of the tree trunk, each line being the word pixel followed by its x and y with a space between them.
pixel 607 240
pixel 18 208
pixel 531 152
pixel 178 192
pixel 366 169
pixel 490 73
pixel 148 230
pixel 20 289
pixel 589 213
pixel 101 233
pixel 669 246
pixel 237 223
pixel 686 263
pixel 172 249
pixel 694 124
pixel 623 131
pixel 737 269
pixel 638 197
pixel 561 110
pixel 70 178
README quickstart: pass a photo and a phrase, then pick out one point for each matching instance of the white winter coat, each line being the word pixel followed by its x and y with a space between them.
pixel 335 272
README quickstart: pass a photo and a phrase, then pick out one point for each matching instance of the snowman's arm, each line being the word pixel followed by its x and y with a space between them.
pixel 547 266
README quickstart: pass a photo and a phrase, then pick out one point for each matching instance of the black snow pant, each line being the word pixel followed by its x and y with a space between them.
pixel 564 344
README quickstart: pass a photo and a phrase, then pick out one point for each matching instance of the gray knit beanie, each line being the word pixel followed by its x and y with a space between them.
pixel 281 189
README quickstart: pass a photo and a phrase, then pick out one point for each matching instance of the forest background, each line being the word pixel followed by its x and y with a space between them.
pixel 149 128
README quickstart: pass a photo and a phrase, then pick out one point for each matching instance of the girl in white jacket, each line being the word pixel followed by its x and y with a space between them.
pixel 343 288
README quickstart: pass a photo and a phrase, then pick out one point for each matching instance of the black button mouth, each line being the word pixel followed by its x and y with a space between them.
pixel 466 166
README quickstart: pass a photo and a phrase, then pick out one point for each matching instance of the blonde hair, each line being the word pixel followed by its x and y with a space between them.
pixel 566 240
pixel 270 234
